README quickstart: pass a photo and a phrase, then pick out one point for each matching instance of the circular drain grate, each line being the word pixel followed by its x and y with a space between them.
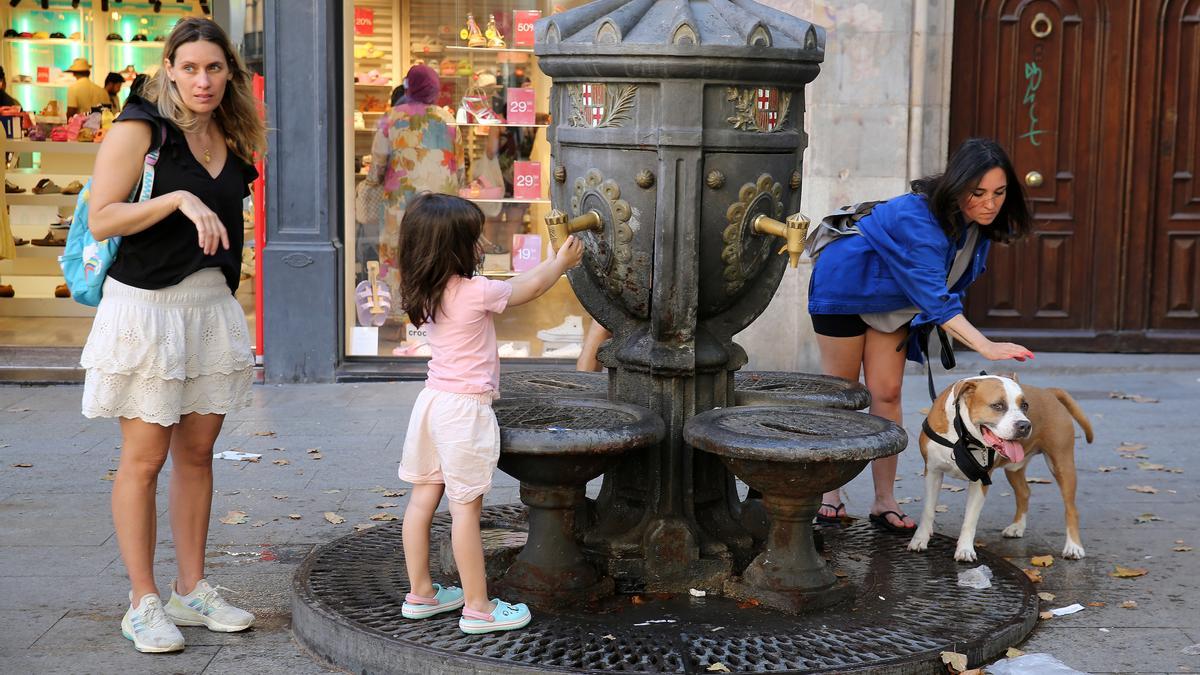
pixel 907 609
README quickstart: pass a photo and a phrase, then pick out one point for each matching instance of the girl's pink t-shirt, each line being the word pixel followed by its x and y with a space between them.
pixel 463 339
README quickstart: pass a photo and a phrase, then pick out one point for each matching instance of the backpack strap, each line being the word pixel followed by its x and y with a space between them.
pixel 147 182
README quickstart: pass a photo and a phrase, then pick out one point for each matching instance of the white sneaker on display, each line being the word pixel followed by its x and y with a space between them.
pixel 149 628
pixel 570 330
pixel 508 350
pixel 566 352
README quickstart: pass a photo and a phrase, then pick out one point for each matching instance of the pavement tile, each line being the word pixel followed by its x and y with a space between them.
pixel 56 519
pixel 1114 650
pixel 23 627
pixel 30 561
pixel 114 658
pixel 284 658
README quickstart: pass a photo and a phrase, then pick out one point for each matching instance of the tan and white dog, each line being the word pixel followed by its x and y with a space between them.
pixel 1017 422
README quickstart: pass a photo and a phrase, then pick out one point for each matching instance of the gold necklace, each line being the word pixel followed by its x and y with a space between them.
pixel 205 149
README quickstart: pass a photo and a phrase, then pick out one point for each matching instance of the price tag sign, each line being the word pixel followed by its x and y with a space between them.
pixel 526 252
pixel 43 73
pixel 520 105
pixel 364 21
pixel 527 180
pixel 523 20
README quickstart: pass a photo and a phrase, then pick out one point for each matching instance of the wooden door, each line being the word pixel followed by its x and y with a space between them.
pixel 1162 297
pixel 1048 79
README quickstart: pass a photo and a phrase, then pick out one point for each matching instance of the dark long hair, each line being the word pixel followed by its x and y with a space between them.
pixel 439 240
pixel 972 159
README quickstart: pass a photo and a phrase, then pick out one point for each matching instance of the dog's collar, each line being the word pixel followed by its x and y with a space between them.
pixel 963 447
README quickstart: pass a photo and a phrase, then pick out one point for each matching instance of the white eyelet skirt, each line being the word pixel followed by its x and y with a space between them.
pixel 158 355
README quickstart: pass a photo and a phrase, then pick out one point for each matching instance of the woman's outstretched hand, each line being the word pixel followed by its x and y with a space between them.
pixel 999 351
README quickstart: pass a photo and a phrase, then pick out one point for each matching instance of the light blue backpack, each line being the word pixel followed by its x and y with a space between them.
pixel 85 261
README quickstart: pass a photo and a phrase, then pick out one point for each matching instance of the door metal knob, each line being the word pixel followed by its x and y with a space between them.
pixel 1033 179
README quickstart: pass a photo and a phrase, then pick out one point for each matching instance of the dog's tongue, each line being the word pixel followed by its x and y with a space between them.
pixel 1010 449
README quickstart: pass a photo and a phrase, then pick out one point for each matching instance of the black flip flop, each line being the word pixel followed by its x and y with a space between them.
pixel 834 519
pixel 880 520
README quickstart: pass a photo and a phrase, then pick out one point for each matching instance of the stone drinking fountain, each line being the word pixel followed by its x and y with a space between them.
pixel 677 150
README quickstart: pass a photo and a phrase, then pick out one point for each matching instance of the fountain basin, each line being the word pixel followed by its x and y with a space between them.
pixel 807 389
pixel 792 455
pixel 554 447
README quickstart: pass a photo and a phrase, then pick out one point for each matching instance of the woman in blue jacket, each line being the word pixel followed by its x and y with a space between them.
pixel 903 271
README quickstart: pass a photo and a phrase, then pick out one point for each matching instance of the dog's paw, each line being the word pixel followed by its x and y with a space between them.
pixel 965 554
pixel 1072 551
pixel 919 542
pixel 1015 531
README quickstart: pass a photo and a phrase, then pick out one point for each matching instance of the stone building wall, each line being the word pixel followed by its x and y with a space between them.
pixel 877 116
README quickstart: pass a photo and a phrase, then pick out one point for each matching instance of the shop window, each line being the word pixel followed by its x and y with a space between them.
pixel 496 100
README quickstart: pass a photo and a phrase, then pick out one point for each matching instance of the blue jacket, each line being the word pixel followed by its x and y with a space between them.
pixel 902 259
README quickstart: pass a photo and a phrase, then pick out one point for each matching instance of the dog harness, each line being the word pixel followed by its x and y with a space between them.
pixel 963 449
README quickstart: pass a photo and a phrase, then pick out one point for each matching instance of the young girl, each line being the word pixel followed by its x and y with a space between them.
pixel 453 440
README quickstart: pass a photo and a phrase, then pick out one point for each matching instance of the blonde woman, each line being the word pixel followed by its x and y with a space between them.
pixel 169 352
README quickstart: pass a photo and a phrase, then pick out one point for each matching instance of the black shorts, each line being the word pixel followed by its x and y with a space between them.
pixel 839 325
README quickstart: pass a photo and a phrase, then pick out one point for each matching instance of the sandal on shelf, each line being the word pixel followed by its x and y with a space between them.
pixel 6 291
pixel 880 521
pixel 73 188
pixel 61 291
pixel 46 186
pixel 12 189
pixel 17 241
pixel 49 240
pixel 839 514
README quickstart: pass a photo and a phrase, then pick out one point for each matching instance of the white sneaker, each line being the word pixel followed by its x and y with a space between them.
pixel 564 352
pixel 508 350
pixel 204 606
pixel 148 627
pixel 570 330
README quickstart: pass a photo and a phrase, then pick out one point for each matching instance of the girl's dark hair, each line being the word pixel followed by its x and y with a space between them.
pixel 972 159
pixel 439 239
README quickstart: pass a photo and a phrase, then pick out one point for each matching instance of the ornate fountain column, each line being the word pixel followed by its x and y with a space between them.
pixel 678 125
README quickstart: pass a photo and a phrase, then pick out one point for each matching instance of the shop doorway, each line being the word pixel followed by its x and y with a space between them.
pixel 1109 160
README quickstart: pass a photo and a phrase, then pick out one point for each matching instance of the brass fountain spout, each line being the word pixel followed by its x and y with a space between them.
pixel 793 231
pixel 560 227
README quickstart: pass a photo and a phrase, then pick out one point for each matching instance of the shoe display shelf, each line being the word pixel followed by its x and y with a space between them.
pixel 34 272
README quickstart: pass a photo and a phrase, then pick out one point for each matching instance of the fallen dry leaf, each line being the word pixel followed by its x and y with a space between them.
pixel 363 526
pixel 22 465
pixel 234 518
pixel 1013 653
pixel 1034 575
pixel 941 508
pixel 637 600
pixel 1046 615
pixel 264 433
pixel 955 661
pixel 377 489
pixel 384 516
pixel 718 667
pixel 1150 466
pixel 1042 560
pixel 924 411
pixel 279 496
pixel 1095 604
pixel 840 574
pixel 333 518
pixel 1128 446
pixel 1136 398
pixel 747 604
pixel 332 491
pixel 1146 518
pixel 1127 572
pixel 111 474
pixel 1046 596
pixel 1144 489
pixel 1037 479
pixel 1182 549
pixel 904 500
pixel 295 516
pixel 387 505
pixel 1129 604
pixel 609 636
pixel 953 488
pixel 1106 469
pixel 280 462
pixel 258 523
pixel 395 493
pixel 1134 455
pixel 315 454
pixel 1173 470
